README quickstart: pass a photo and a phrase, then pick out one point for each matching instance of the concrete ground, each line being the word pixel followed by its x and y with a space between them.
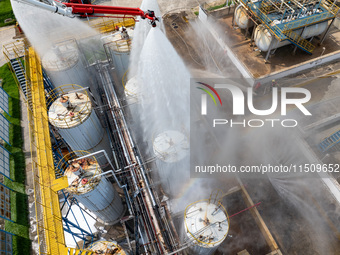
pixel 6 36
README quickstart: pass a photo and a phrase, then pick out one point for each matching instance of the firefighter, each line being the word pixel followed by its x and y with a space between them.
pixel 124 34
pixel 274 84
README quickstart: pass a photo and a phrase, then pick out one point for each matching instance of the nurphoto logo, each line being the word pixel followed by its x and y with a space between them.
pixel 240 99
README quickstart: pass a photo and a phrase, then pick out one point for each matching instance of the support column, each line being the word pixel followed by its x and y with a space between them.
pixel 303 29
pixel 248 25
pixel 253 36
pixel 269 50
pixel 233 19
pixel 325 34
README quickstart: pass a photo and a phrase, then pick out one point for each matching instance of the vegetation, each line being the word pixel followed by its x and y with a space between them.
pixel 19 199
pixel 211 8
pixel 6 13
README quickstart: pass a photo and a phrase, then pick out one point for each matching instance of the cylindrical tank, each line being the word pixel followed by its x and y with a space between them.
pixel 263 38
pixel 206 225
pixel 64 66
pixel 241 18
pixel 171 147
pixel 106 247
pixel 119 47
pixel 95 192
pixel 132 91
pixel 71 112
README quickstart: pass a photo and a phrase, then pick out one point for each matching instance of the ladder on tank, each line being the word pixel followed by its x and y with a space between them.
pixel 330 142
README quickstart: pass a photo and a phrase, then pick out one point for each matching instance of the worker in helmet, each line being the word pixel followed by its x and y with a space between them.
pixel 124 34
pixel 274 84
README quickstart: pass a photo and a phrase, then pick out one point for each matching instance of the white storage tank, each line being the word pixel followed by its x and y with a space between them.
pixel 95 192
pixel 63 64
pixel 106 247
pixel 71 112
pixel 132 91
pixel 171 147
pixel 263 38
pixel 119 47
pixel 241 18
pixel 206 226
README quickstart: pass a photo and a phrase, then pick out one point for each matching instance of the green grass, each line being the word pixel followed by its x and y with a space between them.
pixel 6 13
pixel 19 199
pixel 211 8
pixel 216 7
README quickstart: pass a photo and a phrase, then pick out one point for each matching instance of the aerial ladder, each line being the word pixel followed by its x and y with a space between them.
pixel 77 9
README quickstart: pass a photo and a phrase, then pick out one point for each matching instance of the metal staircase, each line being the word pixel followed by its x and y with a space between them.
pixel 20 74
pixel 330 142
pixel 297 40
pixel 287 31
pixel 266 6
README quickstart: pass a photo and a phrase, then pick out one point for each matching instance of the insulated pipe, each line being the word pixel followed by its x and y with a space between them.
pixel 132 154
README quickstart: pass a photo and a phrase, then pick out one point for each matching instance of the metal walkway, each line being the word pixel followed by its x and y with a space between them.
pixel 286 31
pixel 329 142
pixel 49 219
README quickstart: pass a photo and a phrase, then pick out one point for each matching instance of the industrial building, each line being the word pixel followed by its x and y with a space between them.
pixel 111 144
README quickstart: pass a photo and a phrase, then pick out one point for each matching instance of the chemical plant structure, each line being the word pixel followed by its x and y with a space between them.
pixel 94 191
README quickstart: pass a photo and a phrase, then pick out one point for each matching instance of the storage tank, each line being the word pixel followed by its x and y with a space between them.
pixel 118 45
pixel 263 38
pixel 132 91
pixel 241 18
pixel 70 111
pixel 171 147
pixel 106 247
pixel 206 226
pixel 63 64
pixel 95 192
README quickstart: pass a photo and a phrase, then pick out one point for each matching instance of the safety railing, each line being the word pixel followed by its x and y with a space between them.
pixel 299 41
pixel 87 164
pixel 15 50
pixel 81 107
pixel 50 233
pixel 122 45
pixel 266 7
pixel 317 18
pixel 287 33
pixel 276 31
pixel 109 25
pixel 48 216
pixel 196 236
pixel 330 6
